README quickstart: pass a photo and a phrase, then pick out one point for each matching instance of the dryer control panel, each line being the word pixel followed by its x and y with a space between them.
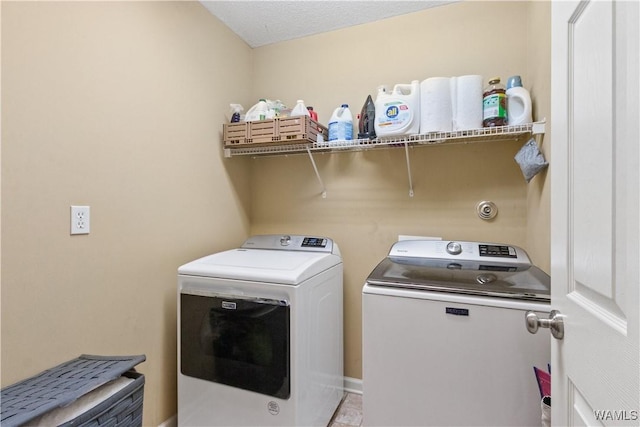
pixel 314 242
pixel 291 242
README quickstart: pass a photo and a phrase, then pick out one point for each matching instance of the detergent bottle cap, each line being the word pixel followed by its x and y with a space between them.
pixel 514 81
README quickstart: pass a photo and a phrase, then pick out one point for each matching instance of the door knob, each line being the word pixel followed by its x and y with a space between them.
pixel 554 322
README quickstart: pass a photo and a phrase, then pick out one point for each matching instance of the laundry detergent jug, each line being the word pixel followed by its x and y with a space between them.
pixel 398 111
pixel 518 102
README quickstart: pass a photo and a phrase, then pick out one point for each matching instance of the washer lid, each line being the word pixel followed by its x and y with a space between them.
pixel 454 276
pixel 262 265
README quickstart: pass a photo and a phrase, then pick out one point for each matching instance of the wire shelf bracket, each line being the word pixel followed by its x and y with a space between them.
pixel 315 169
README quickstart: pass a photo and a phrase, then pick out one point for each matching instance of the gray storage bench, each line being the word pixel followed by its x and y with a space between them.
pixel 87 391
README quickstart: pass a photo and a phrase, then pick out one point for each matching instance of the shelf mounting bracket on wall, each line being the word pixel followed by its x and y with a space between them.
pixel 315 168
pixel 406 152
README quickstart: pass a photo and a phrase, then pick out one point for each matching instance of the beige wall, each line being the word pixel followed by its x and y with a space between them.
pixel 119 106
pixel 367 204
pixel 538 194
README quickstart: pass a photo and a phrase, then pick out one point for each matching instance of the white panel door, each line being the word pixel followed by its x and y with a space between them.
pixel 595 189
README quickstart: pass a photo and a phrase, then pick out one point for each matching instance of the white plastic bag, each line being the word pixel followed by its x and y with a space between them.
pixel 530 159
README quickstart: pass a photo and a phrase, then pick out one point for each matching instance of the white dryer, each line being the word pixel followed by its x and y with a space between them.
pixel 260 334
pixel 444 336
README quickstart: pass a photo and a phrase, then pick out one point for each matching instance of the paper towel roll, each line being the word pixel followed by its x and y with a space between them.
pixel 467 113
pixel 453 93
pixel 435 105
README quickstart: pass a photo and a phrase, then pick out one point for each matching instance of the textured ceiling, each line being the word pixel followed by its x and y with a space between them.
pixel 262 22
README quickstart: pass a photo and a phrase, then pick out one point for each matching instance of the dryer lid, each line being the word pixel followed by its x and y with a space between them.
pixel 262 265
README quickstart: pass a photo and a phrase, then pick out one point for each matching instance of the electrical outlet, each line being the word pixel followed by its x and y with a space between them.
pixel 80 220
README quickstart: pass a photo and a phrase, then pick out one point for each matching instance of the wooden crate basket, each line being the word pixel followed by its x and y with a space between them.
pixel 286 130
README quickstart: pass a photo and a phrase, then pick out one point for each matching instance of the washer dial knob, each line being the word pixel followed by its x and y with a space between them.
pixel 454 248
pixel 285 240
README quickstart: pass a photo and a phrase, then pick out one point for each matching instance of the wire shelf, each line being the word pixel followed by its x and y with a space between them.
pixel 497 133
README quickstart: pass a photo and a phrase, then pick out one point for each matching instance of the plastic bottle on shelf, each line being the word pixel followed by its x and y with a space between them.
pixel 398 112
pixel 258 112
pixel 341 125
pixel 312 113
pixel 235 117
pixel 494 104
pixel 518 102
pixel 299 109
pixel 262 109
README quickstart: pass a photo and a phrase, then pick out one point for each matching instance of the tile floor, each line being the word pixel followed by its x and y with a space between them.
pixel 349 413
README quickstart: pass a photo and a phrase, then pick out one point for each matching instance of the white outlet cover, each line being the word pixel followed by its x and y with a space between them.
pixel 80 219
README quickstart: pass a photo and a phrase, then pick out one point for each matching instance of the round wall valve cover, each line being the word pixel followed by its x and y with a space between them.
pixel 486 210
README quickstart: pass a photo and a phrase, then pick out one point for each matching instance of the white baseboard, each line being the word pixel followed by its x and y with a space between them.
pixel 171 422
pixel 353 385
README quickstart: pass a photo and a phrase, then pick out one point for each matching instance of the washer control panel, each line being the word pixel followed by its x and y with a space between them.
pixel 501 251
pixel 460 250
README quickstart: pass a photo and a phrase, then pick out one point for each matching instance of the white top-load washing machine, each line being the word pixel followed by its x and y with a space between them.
pixel 260 334
pixel 444 336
